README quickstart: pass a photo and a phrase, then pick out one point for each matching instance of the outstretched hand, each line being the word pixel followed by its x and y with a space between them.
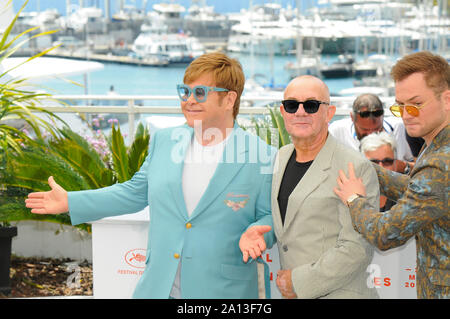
pixel 51 202
pixel 252 242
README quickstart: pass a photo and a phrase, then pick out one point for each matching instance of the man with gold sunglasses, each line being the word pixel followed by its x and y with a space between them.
pixel 422 93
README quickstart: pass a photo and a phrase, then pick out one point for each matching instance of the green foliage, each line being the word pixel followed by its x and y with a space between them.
pixel 119 154
pixel 80 156
pixel 26 163
pixel 270 128
pixel 138 150
pixel 75 165
pixel 12 208
pixel 127 161
pixel 18 104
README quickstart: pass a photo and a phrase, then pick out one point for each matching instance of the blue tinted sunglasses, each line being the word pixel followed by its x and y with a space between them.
pixel 200 92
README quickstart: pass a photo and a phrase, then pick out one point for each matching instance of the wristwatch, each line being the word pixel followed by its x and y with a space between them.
pixel 351 198
pixel 407 168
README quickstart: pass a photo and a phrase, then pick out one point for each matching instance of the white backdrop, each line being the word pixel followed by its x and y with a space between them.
pixel 119 246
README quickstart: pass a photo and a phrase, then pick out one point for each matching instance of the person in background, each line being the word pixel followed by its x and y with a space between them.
pixel 321 255
pixel 422 95
pixel 207 184
pixel 380 148
pixel 366 117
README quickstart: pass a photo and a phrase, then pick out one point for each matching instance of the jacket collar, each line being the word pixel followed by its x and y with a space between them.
pixel 315 175
pixel 233 159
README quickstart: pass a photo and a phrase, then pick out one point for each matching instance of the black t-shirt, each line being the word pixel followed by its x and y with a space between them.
pixel 415 144
pixel 292 175
pixel 387 206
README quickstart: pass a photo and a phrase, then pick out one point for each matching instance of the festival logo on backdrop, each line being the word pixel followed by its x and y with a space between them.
pixel 136 258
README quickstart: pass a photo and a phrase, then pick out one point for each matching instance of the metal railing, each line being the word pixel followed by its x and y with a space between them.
pixel 131 107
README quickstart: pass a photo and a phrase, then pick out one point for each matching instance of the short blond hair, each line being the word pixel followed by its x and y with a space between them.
pixel 435 69
pixel 227 73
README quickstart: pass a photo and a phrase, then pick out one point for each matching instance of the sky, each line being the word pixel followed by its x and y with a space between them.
pixel 220 6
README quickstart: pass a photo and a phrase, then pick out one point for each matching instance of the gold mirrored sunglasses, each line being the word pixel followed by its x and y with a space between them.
pixel 411 109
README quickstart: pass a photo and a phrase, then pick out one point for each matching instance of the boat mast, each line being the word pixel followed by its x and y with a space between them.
pixel 299 46
pixel 252 53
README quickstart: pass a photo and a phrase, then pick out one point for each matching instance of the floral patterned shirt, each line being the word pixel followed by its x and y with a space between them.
pixel 421 210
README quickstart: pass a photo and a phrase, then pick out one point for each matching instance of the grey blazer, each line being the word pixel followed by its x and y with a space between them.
pixel 327 256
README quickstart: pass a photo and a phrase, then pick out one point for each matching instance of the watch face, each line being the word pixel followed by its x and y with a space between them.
pixel 352 198
pixel 407 169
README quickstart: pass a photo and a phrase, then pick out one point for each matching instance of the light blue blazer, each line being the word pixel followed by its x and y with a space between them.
pixel 207 242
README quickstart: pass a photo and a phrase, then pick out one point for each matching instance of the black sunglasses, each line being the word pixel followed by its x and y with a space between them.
pixel 376 113
pixel 310 106
pixel 385 161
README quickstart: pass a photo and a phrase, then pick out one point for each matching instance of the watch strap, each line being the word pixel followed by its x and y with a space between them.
pixel 352 197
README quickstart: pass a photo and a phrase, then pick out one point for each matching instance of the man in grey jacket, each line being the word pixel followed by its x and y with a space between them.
pixel 321 255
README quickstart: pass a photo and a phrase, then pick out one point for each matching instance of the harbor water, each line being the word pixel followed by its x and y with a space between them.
pixel 132 80
pixel 149 80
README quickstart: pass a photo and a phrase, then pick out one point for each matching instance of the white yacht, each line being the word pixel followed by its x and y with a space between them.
pixel 169 14
pixel 203 22
pixel 155 41
pixel 305 65
pixel 370 24
pixel 262 37
pixel 430 25
pixel 372 66
pixel 162 36
pixel 46 20
pixel 257 95
pixel 86 19
pixel 263 29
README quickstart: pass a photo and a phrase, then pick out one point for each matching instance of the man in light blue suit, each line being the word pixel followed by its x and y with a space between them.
pixel 208 186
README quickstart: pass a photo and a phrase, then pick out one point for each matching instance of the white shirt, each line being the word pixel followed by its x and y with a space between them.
pixel 200 163
pixel 344 131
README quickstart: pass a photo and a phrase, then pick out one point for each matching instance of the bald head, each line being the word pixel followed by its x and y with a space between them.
pixel 310 128
pixel 311 87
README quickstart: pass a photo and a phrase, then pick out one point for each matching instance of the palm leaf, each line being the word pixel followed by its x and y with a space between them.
pixel 138 150
pixel 10 26
pixel 31 169
pixel 263 131
pixel 270 127
pixel 119 154
pixel 7 52
pixel 13 209
pixel 278 124
pixel 83 158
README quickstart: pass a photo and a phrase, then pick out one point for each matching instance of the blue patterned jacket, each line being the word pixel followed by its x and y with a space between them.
pixel 422 210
